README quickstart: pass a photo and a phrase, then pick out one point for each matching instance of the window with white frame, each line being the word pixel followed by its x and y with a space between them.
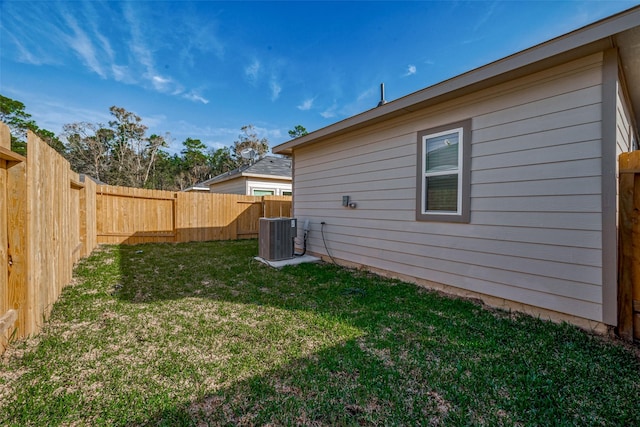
pixel 443 173
pixel 259 192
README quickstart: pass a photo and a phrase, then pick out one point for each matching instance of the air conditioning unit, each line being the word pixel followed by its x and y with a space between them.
pixel 276 237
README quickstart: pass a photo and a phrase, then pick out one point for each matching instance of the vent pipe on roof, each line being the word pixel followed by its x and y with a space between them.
pixel 382 100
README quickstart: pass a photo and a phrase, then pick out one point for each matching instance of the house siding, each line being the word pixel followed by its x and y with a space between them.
pixel 624 128
pixel 232 186
pixel 535 231
pixel 278 186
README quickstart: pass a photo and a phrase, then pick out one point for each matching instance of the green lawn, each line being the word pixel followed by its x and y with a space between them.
pixel 201 334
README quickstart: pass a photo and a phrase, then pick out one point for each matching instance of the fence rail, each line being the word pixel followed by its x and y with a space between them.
pixel 133 215
pixel 50 218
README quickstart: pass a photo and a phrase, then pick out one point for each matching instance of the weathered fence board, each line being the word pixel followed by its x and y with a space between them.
pixel 134 215
pixel 629 246
pixel 46 221
pixel 12 240
pixel 130 216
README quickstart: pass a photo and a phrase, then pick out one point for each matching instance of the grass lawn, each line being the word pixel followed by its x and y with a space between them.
pixel 201 334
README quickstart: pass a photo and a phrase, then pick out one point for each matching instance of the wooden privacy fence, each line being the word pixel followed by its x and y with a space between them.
pixel 629 246
pixel 133 215
pixel 47 223
pixel 49 219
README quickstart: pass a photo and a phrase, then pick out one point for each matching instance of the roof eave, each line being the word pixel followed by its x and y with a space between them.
pixel 592 37
pixel 263 176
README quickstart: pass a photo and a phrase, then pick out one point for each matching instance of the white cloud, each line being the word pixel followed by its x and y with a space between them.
pixel 411 70
pixel 483 18
pixel 160 81
pixel 197 35
pixel 276 88
pixel 83 46
pixel 51 113
pixel 306 104
pixel 164 84
pixel 140 54
pixel 17 28
pixel 121 73
pixel 264 132
pixel 366 94
pixel 192 96
pixel 154 120
pixel 184 127
pixel 26 56
pixel 252 71
pixel 330 112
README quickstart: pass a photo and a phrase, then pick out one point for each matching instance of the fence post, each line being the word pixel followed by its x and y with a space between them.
pixel 13 236
pixel 5 143
pixel 629 246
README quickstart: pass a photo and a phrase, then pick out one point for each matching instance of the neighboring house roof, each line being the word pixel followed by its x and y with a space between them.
pixel 269 167
pixel 84 176
pixel 197 187
pixel 620 31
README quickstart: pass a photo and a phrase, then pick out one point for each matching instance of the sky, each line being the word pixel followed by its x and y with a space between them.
pixel 204 69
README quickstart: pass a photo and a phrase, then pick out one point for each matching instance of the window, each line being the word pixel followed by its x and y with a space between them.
pixel 263 192
pixel 443 173
pixel 286 193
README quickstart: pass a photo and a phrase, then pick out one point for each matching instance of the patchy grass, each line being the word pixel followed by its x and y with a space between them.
pixel 201 334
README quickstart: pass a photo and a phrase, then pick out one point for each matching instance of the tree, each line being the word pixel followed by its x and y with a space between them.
pixel 13 113
pixel 89 148
pixel 132 152
pixel 298 131
pixel 248 139
pixel 165 172
pixel 128 145
pixel 153 147
pixel 221 161
pixel 195 160
pixel 118 154
pixel 51 139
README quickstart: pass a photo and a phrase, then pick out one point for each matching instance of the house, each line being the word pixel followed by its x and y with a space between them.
pixel 498 184
pixel 197 188
pixel 268 176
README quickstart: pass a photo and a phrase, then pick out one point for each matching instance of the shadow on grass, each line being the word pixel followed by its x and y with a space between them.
pixel 341 385
pixel 417 357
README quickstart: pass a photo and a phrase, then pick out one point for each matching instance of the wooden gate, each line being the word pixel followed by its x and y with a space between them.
pixel 247 222
pixel 629 246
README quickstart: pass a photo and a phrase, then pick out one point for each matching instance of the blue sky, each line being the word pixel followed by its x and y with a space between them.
pixel 203 69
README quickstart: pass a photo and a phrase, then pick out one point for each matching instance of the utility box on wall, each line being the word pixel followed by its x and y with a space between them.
pixel 276 238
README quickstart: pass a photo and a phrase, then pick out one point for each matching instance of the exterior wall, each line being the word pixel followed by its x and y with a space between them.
pixel 624 128
pixel 246 185
pixel 278 186
pixel 535 231
pixel 231 186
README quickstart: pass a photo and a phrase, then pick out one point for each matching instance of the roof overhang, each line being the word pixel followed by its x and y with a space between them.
pixel 240 175
pixel 621 31
pixel 271 177
pixel 196 189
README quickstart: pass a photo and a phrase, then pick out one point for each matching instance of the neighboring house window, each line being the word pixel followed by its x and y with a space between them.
pixel 263 192
pixel 443 173
pixel 286 193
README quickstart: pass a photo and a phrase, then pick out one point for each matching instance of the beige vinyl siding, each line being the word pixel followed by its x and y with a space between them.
pixel 232 186
pixel 624 129
pixel 535 230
